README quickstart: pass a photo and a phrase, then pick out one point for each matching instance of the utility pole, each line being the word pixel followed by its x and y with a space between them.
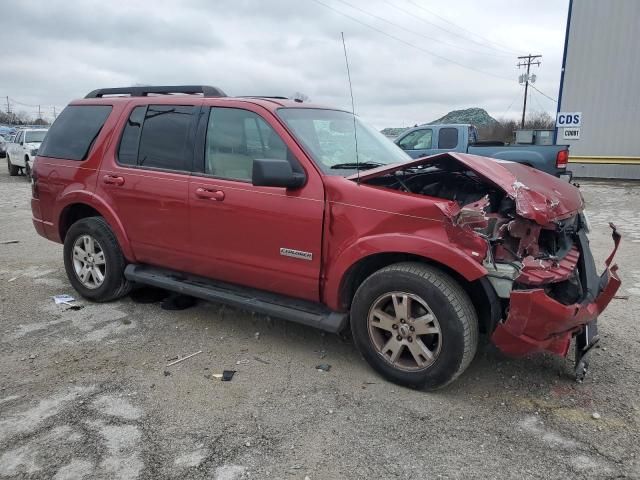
pixel 39 113
pixel 54 113
pixel 527 61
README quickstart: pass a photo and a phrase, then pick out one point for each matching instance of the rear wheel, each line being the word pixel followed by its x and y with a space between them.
pixel 13 169
pixel 93 260
pixel 415 325
pixel 27 167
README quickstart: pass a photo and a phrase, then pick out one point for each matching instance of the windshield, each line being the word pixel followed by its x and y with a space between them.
pixel 328 137
pixel 34 136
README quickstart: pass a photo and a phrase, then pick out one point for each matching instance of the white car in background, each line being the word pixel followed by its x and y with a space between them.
pixel 23 149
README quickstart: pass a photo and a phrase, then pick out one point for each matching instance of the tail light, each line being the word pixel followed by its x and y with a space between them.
pixel 562 159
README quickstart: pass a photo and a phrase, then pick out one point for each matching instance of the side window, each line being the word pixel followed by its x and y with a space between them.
pixel 417 140
pixel 128 150
pixel 448 138
pixel 164 137
pixel 74 131
pixel 235 138
pixel 18 137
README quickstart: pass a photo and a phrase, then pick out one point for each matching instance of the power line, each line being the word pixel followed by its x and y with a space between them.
pixel 543 94
pixel 420 34
pixel 398 39
pixel 511 104
pixel 503 48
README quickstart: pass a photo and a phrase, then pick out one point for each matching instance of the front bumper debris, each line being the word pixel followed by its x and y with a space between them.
pixel 536 322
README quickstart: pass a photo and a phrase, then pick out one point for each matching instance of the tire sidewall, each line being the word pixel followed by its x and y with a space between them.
pixel 452 349
pixel 114 266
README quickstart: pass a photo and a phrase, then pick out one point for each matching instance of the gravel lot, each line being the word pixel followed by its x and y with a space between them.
pixel 87 394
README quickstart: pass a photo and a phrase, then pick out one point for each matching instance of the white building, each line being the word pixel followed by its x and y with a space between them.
pixel 601 80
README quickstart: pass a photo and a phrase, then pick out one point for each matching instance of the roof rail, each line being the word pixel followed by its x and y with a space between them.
pixel 278 97
pixel 205 90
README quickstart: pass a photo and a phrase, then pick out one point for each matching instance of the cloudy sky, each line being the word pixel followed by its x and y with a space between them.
pixel 411 60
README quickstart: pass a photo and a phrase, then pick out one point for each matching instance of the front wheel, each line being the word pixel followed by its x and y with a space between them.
pixel 13 169
pixel 93 260
pixel 414 325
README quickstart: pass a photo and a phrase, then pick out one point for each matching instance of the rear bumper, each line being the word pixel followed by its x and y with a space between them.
pixel 536 322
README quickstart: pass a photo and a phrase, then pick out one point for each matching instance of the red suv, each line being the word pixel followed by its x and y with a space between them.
pixel 305 213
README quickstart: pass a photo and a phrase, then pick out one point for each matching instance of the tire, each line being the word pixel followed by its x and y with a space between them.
pixel 27 168
pixel 13 169
pixel 441 325
pixel 110 263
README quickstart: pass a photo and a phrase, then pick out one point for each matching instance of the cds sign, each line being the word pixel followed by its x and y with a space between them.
pixel 569 119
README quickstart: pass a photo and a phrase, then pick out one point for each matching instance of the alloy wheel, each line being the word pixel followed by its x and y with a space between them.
pixel 404 331
pixel 89 262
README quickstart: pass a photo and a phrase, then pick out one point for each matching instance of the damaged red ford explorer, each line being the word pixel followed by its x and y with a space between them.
pixel 305 213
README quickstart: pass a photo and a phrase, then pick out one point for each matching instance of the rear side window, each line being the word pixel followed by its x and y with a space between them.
pixel 74 131
pixel 448 138
pixel 157 136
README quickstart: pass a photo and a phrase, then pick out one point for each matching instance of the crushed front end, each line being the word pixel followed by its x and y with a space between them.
pixel 529 231
pixel 554 299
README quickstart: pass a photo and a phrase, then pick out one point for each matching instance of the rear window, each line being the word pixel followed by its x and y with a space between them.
pixel 74 131
pixel 448 138
pixel 156 136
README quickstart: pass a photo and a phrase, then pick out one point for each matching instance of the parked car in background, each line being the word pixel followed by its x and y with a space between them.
pixel 260 203
pixel 431 139
pixel 3 146
pixel 23 150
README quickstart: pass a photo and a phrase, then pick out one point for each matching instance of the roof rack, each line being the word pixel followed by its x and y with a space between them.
pixel 205 90
pixel 277 97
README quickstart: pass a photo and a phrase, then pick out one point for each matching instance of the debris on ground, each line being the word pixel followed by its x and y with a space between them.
pixel 126 321
pixel 166 373
pixel 63 299
pixel 177 301
pixel 323 367
pixel 9 242
pixel 184 358
pixel 242 362
pixel 596 416
pixel 227 375
pixel 74 308
pixel 258 359
pixel 621 297
pixel 257 335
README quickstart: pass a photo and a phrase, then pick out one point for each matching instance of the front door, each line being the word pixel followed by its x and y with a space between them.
pixel 263 237
pixel 146 181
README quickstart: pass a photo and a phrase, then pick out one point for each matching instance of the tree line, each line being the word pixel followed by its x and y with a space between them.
pixel 21 118
pixel 504 129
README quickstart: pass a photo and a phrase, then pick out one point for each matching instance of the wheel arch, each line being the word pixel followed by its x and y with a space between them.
pixel 473 281
pixel 77 210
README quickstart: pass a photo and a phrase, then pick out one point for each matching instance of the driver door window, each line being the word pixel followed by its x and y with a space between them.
pixel 417 140
pixel 235 138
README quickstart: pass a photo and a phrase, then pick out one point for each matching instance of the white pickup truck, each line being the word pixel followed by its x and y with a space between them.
pixel 23 149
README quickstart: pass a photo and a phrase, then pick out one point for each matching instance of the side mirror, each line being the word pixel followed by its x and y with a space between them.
pixel 268 172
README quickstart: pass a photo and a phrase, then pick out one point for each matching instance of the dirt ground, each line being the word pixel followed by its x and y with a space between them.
pixel 87 393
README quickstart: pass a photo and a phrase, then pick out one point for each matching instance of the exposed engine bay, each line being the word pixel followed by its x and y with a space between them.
pixel 519 252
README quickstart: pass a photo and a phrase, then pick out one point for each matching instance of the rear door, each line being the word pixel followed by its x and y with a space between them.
pixel 417 143
pixel 448 140
pixel 146 180
pixel 263 237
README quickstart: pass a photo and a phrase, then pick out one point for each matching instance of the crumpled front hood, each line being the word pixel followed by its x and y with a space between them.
pixel 538 196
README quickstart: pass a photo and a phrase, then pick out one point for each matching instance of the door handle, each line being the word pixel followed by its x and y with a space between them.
pixel 113 180
pixel 205 193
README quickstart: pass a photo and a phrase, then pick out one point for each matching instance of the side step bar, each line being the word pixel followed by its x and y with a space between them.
pixel 259 301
